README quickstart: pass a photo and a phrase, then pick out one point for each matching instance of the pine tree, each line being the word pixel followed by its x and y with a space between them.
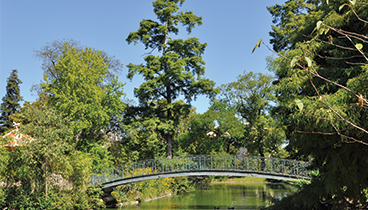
pixel 10 101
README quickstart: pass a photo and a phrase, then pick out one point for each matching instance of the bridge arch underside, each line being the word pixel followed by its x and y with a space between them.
pixel 283 177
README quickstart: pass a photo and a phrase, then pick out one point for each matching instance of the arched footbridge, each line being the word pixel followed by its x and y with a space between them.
pixel 271 168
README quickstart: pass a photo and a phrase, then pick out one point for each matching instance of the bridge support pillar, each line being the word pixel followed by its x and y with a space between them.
pixel 109 201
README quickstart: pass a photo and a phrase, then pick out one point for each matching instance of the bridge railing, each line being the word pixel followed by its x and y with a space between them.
pixel 275 166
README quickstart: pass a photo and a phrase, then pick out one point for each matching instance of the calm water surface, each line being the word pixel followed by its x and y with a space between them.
pixel 222 195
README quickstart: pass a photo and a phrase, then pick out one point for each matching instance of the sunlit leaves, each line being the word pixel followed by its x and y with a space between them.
pixel 309 61
pixel 359 46
pixel 293 61
pixel 342 6
pixel 299 103
pixel 257 45
pixel 81 92
pixel 319 24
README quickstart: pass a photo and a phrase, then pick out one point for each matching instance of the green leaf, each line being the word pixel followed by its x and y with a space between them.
pixel 342 6
pixel 325 30
pixel 327 1
pixel 359 46
pixel 257 45
pixel 309 61
pixel 292 63
pixel 299 103
pixel 353 2
pixel 319 23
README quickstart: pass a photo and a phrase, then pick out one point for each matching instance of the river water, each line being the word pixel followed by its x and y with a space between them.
pixel 228 195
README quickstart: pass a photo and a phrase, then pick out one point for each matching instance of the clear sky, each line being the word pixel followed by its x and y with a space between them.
pixel 231 29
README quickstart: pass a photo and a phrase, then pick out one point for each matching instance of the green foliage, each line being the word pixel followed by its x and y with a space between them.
pixel 119 195
pixel 101 158
pixel 50 132
pixel 217 131
pixel 289 16
pixel 81 169
pixel 223 178
pixel 151 188
pixel 50 53
pixel 257 45
pixel 322 98
pixel 299 103
pixel 210 179
pixel 282 152
pixel 30 169
pixel 184 122
pixel 177 71
pixel 4 158
pixel 182 185
pixel 141 140
pixel 251 96
pixel 82 93
pixel 10 102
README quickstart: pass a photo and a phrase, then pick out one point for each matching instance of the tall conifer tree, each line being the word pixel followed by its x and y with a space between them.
pixel 177 70
pixel 11 101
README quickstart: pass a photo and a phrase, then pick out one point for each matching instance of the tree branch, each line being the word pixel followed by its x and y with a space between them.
pixel 364 21
pixel 348 137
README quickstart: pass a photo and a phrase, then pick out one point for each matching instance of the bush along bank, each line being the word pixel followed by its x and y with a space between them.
pixel 151 189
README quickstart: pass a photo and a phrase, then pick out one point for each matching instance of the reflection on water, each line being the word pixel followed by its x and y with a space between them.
pixel 222 196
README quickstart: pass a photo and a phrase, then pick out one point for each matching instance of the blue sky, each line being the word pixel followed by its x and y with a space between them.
pixel 230 28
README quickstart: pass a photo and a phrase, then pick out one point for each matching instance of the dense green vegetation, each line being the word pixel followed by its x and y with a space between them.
pixel 82 123
pixel 321 84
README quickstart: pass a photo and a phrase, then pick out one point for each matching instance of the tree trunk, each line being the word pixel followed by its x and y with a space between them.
pixel 46 179
pixel 169 146
pixel 168 100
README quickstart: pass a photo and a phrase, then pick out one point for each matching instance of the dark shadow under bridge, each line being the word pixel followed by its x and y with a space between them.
pixel 270 168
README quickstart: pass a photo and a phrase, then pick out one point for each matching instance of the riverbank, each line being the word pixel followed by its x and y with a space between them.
pixel 149 199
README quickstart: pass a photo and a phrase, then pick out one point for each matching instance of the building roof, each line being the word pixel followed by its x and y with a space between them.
pixel 16 138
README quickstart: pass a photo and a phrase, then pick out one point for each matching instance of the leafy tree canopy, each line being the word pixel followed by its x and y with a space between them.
pixel 81 93
pixel 50 53
pixel 252 96
pixel 217 131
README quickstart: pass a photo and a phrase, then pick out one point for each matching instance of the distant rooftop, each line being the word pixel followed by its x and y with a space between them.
pixel 16 138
